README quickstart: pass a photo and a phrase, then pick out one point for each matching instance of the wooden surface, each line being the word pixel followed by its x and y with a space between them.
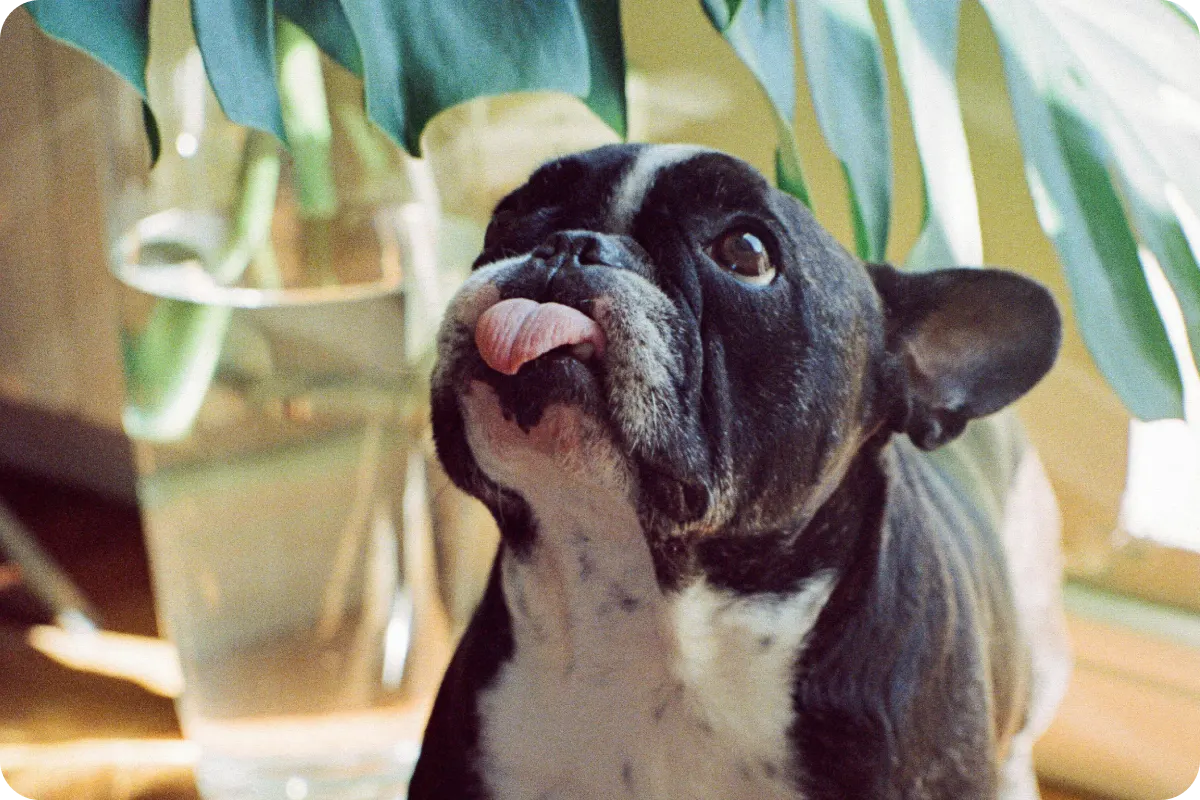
pixel 58 324
pixel 1130 724
pixel 68 735
pixel 1052 793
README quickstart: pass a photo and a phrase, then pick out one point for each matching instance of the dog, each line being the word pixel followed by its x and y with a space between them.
pixel 729 568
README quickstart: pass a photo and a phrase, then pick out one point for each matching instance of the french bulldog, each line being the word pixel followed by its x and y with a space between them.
pixel 729 568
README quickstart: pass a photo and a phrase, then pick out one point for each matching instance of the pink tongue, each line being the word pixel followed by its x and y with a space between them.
pixel 515 332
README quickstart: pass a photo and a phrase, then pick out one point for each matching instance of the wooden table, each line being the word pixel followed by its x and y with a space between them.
pixel 76 735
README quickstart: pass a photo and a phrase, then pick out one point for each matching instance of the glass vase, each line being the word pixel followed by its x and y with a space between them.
pixel 277 318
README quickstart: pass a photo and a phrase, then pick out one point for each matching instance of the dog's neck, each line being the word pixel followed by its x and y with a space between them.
pixel 604 656
pixel 777 561
pixel 588 577
pixel 591 561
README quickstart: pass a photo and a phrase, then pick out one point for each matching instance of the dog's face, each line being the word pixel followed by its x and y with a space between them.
pixel 663 320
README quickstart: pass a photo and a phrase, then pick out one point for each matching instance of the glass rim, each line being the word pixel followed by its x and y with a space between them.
pixel 189 281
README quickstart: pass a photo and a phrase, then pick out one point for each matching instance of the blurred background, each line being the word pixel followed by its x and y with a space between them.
pixel 1130 727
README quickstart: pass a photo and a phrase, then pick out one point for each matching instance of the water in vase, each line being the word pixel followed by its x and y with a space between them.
pixel 279 446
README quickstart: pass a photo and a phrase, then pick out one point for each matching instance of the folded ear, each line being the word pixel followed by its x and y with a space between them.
pixel 964 343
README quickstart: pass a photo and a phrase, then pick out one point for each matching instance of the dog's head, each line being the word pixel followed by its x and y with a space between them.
pixel 661 322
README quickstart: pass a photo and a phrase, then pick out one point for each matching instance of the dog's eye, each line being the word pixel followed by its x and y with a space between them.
pixel 744 254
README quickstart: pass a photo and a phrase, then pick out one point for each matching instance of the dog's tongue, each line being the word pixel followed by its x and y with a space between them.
pixel 514 332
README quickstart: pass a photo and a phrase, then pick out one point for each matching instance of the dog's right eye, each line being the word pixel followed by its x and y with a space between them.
pixel 743 254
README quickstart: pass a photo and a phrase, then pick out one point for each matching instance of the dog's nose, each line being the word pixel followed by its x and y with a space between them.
pixel 571 249
pixel 564 254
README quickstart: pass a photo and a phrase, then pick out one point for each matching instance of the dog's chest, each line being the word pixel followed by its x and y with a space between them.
pixel 615 690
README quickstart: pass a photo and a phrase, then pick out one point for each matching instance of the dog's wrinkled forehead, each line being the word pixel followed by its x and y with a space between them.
pixel 605 191
pixel 640 175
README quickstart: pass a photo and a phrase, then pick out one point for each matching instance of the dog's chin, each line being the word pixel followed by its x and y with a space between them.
pixel 556 378
pixel 565 443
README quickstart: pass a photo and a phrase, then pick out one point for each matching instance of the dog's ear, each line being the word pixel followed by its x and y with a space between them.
pixel 962 343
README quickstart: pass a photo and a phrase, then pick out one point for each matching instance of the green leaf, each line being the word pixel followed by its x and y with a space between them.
pixel 760 33
pixel 606 57
pixel 1092 89
pixel 1078 207
pixel 1165 238
pixel 237 42
pixel 788 174
pixel 721 12
pixel 1130 71
pixel 1128 318
pixel 326 23
pixel 420 58
pixel 926 38
pixel 848 83
pixel 114 32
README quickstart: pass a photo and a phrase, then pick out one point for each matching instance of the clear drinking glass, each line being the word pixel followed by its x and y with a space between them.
pixel 289 553
pixel 277 318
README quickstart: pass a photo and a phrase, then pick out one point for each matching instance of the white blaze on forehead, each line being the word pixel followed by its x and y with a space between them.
pixel 640 176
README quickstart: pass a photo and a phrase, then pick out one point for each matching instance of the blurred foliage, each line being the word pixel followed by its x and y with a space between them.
pixel 1104 92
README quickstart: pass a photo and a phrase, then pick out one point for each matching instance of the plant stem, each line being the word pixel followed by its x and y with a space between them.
pixel 309 132
pixel 258 187
pixel 170 365
pixel 306 120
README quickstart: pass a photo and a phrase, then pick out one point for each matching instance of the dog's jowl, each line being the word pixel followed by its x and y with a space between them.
pixel 737 561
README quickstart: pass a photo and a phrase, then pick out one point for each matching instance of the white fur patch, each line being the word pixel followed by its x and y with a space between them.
pixel 1031 534
pixel 616 690
pixel 640 177
pixel 738 655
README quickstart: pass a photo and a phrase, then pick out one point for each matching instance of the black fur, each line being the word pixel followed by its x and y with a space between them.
pixel 449 754
pixel 779 462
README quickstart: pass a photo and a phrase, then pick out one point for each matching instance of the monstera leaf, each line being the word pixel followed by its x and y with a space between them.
pixel 419 58
pixel 1105 93
pixel 117 34
pixel 849 91
pixel 926 35
pixel 415 58
pixel 760 32
pixel 1108 106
